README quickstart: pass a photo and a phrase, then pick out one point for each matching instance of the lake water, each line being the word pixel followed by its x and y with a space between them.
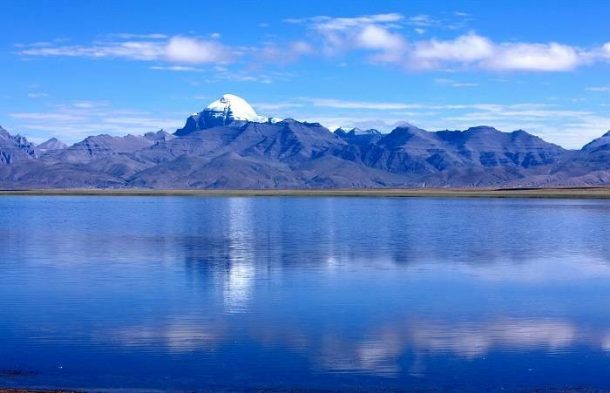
pixel 189 293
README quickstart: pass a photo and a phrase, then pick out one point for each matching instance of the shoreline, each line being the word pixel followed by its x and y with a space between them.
pixel 571 193
pixel 263 390
pixel 27 390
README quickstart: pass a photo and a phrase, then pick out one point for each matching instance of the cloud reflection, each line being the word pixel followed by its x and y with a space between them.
pixel 178 336
pixel 473 340
pixel 350 285
pixel 376 350
pixel 379 352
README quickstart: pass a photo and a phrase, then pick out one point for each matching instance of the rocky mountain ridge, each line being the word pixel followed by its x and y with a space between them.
pixel 230 146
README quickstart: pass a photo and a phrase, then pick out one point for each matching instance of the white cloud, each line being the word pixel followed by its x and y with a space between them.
pixel 390 44
pixel 181 49
pixel 534 57
pixel 475 51
pixel 177 49
pixel 379 38
pixel 371 32
pixel 177 68
pixel 379 34
pixel 464 49
pixel 606 50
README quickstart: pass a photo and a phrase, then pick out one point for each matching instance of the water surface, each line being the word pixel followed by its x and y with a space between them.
pixel 187 293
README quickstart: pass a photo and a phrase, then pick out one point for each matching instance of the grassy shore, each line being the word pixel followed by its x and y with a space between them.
pixel 582 192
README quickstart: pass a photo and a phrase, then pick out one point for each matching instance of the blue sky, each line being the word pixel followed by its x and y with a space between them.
pixel 77 68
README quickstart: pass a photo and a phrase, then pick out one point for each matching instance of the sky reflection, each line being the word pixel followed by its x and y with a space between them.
pixel 407 290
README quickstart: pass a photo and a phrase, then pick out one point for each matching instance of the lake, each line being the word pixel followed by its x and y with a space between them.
pixel 275 293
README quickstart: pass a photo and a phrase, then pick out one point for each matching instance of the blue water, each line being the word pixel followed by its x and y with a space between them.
pixel 183 294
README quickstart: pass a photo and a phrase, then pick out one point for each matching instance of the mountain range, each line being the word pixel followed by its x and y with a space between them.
pixel 229 146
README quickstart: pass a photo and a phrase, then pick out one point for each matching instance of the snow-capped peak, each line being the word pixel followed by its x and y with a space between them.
pixel 230 108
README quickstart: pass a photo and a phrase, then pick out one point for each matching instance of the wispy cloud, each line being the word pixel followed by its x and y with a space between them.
pixel 157 47
pixel 422 20
pixel 600 89
pixel 342 23
pixel 286 53
pixel 77 120
pixel 37 95
pixel 85 104
pixel 130 36
pixel 274 106
pixel 453 83
pixel 177 68
pixel 347 104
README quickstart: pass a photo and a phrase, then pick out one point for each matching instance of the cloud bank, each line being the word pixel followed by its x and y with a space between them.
pixel 381 35
pixel 378 38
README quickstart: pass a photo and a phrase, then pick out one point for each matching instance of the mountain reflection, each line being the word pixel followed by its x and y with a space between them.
pixel 242 269
pixel 252 249
pixel 379 287
pixel 286 232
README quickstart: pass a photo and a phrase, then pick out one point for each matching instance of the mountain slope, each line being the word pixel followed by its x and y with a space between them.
pixel 228 145
pixel 15 149
pixel 52 144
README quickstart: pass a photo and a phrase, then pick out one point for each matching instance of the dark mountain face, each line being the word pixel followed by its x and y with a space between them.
pixel 359 143
pixel 231 151
pixel 158 136
pixel 407 150
pixel 201 121
pixel 15 149
pixel 359 137
pixel 103 145
pixel 488 147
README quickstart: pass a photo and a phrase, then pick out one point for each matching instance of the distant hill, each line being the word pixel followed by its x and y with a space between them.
pixel 228 145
